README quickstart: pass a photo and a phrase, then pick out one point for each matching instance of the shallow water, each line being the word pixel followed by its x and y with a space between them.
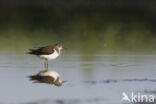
pixel 91 78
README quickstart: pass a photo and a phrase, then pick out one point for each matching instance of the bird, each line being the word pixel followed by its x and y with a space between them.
pixel 47 76
pixel 47 53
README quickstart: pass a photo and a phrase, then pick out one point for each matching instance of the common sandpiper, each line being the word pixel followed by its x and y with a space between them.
pixel 50 77
pixel 47 53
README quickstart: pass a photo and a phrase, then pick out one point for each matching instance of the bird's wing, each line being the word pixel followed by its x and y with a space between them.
pixel 42 79
pixel 46 50
pixel 42 50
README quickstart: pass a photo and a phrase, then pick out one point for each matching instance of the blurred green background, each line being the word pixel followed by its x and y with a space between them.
pixel 86 25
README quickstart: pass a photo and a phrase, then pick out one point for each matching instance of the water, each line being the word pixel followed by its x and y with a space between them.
pixel 96 68
pixel 92 78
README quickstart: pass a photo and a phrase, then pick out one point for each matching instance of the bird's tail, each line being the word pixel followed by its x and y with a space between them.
pixel 31 51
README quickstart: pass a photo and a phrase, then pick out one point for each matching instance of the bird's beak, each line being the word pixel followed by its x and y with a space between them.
pixel 64 81
pixel 65 48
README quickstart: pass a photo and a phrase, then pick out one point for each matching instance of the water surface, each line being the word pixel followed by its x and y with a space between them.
pixel 92 78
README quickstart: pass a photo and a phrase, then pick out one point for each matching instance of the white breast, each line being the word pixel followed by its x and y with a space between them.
pixel 50 56
pixel 50 73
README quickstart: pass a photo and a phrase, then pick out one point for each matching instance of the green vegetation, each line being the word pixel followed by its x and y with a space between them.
pixel 78 29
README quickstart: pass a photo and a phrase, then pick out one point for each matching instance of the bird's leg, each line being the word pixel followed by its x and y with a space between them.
pixel 46 64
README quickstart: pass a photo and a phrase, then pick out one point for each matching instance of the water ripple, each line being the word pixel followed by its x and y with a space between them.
pixel 107 81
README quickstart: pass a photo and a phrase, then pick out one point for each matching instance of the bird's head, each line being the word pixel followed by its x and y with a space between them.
pixel 59 82
pixel 59 46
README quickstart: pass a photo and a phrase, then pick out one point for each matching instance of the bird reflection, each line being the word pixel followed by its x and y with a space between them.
pixel 47 76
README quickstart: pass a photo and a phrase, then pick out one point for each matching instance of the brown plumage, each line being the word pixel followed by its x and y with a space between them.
pixel 46 50
pixel 45 79
pixel 47 53
pixel 42 50
pixel 49 77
